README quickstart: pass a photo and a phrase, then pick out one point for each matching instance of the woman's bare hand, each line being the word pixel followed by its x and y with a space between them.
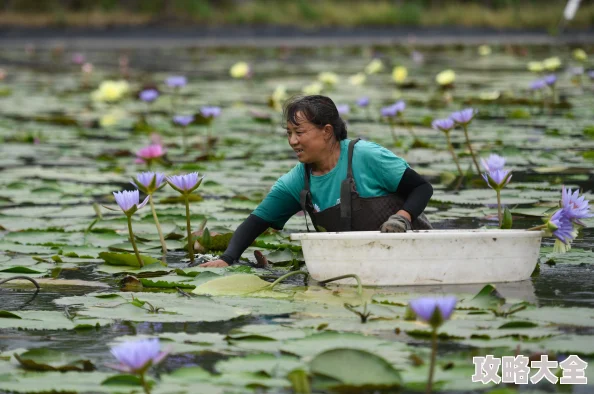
pixel 214 263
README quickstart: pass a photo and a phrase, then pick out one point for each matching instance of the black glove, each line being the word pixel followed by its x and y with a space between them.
pixel 396 224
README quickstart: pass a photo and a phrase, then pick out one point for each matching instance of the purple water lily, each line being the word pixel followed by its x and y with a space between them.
pixel 550 80
pixel 137 356
pixel 343 109
pixel 444 125
pixel 538 84
pixel 499 178
pixel 363 102
pixel 389 112
pixel 561 226
pixel 149 95
pixel 128 200
pixel 148 182
pixel 493 162
pixel 394 109
pixel 433 310
pixel 210 112
pixel 463 117
pixel 176 81
pixel 183 120
pixel 185 183
pixel 575 207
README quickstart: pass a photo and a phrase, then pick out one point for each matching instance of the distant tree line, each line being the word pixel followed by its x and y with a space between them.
pixel 173 6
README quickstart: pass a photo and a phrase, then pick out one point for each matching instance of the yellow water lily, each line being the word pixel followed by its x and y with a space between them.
pixel 328 78
pixel 280 93
pixel 110 91
pixel 278 97
pixel 535 67
pixel 552 63
pixel 580 55
pixel 111 119
pixel 375 66
pixel 484 50
pixel 314 88
pixel 399 74
pixel 446 77
pixel 357 79
pixel 240 70
pixel 490 96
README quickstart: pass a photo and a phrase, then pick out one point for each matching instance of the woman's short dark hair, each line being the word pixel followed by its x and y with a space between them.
pixel 319 110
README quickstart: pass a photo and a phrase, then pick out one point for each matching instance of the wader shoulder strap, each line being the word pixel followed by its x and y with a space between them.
pixel 304 195
pixel 346 187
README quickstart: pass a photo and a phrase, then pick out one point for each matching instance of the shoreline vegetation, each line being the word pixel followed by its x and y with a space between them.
pixel 495 14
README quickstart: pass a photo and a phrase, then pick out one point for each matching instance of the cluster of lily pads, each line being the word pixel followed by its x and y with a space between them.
pixel 298 345
pixel 136 357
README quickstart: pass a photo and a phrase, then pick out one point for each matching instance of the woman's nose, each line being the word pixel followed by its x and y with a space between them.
pixel 292 139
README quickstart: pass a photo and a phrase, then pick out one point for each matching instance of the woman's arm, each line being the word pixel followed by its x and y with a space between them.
pixel 416 192
pixel 278 206
pixel 243 237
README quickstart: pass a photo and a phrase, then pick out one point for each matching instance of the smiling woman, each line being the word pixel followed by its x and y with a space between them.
pixel 344 185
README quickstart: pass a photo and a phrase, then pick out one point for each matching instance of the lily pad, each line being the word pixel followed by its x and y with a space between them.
pixel 152 307
pixel 43 359
pixel 354 368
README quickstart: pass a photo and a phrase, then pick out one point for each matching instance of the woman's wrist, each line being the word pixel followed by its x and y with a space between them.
pixel 404 214
pixel 226 258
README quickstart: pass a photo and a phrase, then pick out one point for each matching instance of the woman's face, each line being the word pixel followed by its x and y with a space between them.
pixel 307 140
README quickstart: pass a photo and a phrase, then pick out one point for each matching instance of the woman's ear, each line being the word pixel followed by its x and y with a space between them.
pixel 328 132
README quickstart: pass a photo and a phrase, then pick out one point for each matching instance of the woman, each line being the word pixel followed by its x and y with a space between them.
pixel 344 185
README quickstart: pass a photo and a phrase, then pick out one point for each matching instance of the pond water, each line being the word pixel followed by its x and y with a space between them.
pixel 62 152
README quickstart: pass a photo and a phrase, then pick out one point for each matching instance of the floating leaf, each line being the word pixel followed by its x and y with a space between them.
pixel 43 359
pixel 126 259
pixel 354 368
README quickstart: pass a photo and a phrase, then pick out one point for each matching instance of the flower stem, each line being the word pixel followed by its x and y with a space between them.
pixel 133 241
pixel 537 227
pixel 189 228
pixel 161 238
pixel 393 131
pixel 276 282
pixel 478 169
pixel 356 277
pixel 499 215
pixel 185 139
pixel 451 149
pixel 432 364
pixel 144 384
pixel 409 128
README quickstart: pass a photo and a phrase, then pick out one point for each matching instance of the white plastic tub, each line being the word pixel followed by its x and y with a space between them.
pixel 422 257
